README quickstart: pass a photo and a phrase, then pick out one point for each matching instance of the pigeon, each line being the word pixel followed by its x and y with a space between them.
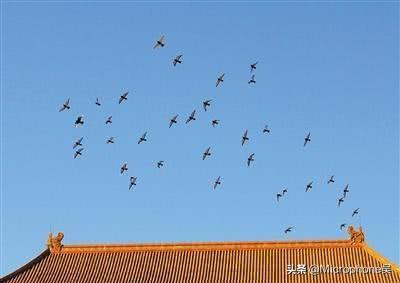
pixel 142 138
pixel 342 226
pixel 331 180
pixel 110 140
pixel 124 168
pixel 191 117
pixel 109 121
pixel 173 120
pixel 355 212
pixel 214 123
pixel 160 164
pixel 132 182
pixel 250 159
pixel 97 102
pixel 289 229
pixel 217 182
pixel 309 186
pixel 159 42
pixel 345 191
pixel 278 196
pixel 123 97
pixel 253 66
pixel 266 129
pixel 79 121
pixel 65 106
pixel 307 139
pixel 220 80
pixel 206 104
pixel 78 143
pixel 78 153
pixel 340 201
pixel 177 60
pixel 206 153
pixel 252 80
pixel 244 138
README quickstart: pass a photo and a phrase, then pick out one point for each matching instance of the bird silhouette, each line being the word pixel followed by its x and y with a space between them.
pixel 65 106
pixel 244 137
pixel 78 143
pixel 252 80
pixel 250 159
pixel 160 163
pixel 287 230
pixel 307 139
pixel 191 117
pixel 173 120
pixel 78 153
pixel 214 122
pixel 220 80
pixel 97 102
pixel 217 182
pixel 206 104
pixel 346 190
pixel 110 140
pixel 331 180
pixel 278 196
pixel 142 138
pixel 284 192
pixel 159 42
pixel 124 167
pixel 132 182
pixel 266 129
pixel 123 97
pixel 253 66
pixel 309 186
pixel 355 212
pixel 340 201
pixel 79 121
pixel 109 120
pixel 177 60
pixel 206 153
pixel 342 226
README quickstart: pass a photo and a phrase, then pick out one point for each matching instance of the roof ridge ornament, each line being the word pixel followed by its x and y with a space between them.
pixel 356 237
pixel 54 243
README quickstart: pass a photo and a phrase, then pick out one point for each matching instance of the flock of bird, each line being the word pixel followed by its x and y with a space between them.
pixel 160 43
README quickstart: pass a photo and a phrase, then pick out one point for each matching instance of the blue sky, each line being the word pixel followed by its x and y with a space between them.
pixel 327 68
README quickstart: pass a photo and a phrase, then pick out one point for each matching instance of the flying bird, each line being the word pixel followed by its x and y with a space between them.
pixel 289 229
pixel 244 138
pixel 142 138
pixel 97 102
pixel 217 182
pixel 79 121
pixel 309 186
pixel 340 201
pixel 159 42
pixel 266 129
pixel 78 142
pixel 284 192
pixel 78 153
pixel 278 196
pixel 206 104
pixel 253 66
pixel 206 153
pixel 191 117
pixel 220 80
pixel 346 190
pixel 109 120
pixel 331 180
pixel 65 106
pixel 177 60
pixel 214 123
pixel 110 140
pixel 132 182
pixel 173 120
pixel 342 226
pixel 123 97
pixel 160 163
pixel 355 212
pixel 307 139
pixel 252 80
pixel 124 167
pixel 250 159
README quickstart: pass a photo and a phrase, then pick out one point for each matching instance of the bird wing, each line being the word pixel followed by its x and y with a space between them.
pixel 178 57
pixel 193 113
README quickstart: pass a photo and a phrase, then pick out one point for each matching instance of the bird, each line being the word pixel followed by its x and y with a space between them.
pixel 250 159
pixel 124 167
pixel 284 192
pixel 206 153
pixel 206 104
pixel 109 121
pixel 252 80
pixel 342 226
pixel 132 182
pixel 244 137
pixel 159 42
pixel 65 106
pixel 173 120
pixel 355 212
pixel 340 201
pixel 160 163
pixel 346 190
pixel 217 182
pixel 309 186
pixel 79 121
pixel 214 123
pixel 177 60
pixel 220 80
pixel 142 138
pixel 289 229
pixel 123 97
pixel 78 153
pixel 331 180
pixel 97 102
pixel 110 140
pixel 253 66
pixel 266 129
pixel 191 117
pixel 307 139
pixel 78 142
pixel 278 196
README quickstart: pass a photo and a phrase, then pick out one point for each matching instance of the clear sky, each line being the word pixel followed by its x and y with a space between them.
pixel 328 68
